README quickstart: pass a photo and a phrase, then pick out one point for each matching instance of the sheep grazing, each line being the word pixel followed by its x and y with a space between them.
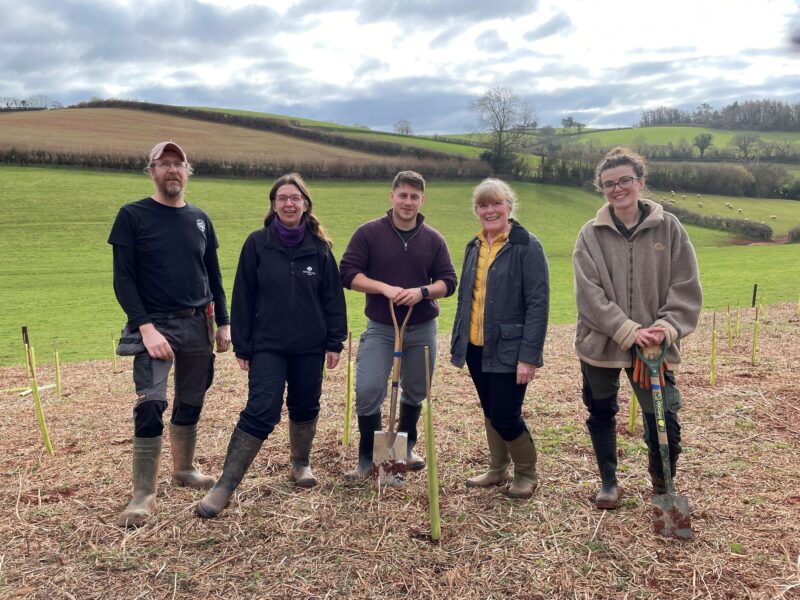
pixel 700 204
pixel 672 192
pixel 683 196
pixel 774 217
pixel 740 211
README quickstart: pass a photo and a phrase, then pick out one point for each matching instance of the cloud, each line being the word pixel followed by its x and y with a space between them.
pixel 490 41
pixel 560 23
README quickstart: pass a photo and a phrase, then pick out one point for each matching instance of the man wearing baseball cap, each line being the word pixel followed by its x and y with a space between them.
pixel 168 282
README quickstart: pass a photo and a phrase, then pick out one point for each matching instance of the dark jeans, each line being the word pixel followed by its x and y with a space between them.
pixel 194 372
pixel 600 390
pixel 501 398
pixel 272 372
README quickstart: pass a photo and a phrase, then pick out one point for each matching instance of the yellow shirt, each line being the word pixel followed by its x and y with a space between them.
pixel 486 256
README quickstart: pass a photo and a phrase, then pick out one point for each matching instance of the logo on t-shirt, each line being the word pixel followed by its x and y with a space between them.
pixel 309 271
pixel 201 225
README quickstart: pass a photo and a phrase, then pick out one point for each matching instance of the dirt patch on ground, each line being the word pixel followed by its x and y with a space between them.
pixel 739 469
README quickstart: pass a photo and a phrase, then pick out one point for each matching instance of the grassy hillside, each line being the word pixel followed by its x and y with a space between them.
pixel 664 135
pixel 55 264
pixel 133 132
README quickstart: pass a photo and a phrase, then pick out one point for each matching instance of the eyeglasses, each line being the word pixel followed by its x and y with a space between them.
pixel 624 183
pixel 166 164
pixel 295 198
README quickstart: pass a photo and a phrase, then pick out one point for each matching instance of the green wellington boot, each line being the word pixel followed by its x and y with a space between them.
pixel 301 436
pixel 146 458
pixel 523 453
pixel 499 460
pixel 242 451
pixel 183 439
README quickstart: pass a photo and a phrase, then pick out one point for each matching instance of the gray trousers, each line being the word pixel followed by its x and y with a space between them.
pixel 374 364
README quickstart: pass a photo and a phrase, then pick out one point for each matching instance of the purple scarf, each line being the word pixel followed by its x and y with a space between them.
pixel 289 237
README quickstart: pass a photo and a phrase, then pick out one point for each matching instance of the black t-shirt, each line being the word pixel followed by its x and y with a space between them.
pixel 165 260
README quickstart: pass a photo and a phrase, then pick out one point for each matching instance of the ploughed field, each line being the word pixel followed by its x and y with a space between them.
pixel 341 540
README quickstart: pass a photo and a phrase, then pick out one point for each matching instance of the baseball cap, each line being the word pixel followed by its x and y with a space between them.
pixel 162 147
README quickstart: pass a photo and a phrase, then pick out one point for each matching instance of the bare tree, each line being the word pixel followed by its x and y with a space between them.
pixel 507 118
pixel 567 123
pixel 579 126
pixel 403 127
pixel 702 141
pixel 746 144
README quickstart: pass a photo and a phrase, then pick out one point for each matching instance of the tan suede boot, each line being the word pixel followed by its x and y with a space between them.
pixel 146 458
pixel 499 460
pixel 301 436
pixel 523 453
pixel 183 439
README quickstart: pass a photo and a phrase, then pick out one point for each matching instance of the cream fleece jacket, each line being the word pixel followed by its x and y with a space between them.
pixel 623 285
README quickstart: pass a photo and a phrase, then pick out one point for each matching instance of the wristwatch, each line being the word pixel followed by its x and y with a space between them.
pixel 425 292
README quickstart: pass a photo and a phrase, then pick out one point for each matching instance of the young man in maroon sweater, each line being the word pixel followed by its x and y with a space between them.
pixel 396 257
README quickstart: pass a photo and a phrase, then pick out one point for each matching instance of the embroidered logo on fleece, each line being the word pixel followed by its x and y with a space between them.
pixel 309 271
pixel 201 225
pixel 659 247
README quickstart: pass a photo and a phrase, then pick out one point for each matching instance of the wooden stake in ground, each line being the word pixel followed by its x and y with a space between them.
pixel 755 340
pixel 633 412
pixel 348 403
pixel 712 374
pixel 430 455
pixel 37 402
pixel 738 322
pixel 113 354
pixel 57 365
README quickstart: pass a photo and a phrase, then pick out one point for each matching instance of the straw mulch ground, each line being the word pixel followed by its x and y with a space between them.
pixel 740 471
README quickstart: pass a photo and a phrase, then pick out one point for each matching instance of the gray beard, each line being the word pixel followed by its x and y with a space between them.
pixel 172 191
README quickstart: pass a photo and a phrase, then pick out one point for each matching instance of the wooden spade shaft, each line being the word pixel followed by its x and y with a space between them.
pixel 397 360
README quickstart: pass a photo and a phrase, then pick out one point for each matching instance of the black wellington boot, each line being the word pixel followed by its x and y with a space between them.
pixel 367 426
pixel 605 451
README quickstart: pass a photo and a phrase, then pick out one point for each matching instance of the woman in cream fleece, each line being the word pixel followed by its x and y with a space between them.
pixel 636 283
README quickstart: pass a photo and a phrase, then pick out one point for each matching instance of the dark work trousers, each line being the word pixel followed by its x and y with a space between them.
pixel 272 372
pixel 600 390
pixel 194 371
pixel 501 398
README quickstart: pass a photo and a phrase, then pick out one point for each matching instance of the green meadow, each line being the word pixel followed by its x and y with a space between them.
pixel 55 270
pixel 674 133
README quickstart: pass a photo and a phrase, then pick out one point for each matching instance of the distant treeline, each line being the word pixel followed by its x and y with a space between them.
pixel 755 115
pixel 345 168
pixel 287 127
pixel 8 104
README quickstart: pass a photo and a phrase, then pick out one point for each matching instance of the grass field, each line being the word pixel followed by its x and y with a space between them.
pixel 124 131
pixel 55 270
pixel 664 135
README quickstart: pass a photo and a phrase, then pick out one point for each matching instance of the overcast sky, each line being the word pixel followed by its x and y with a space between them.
pixel 373 62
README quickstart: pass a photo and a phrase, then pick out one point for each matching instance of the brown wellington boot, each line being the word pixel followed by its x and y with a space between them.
pixel 242 451
pixel 523 453
pixel 146 458
pixel 182 440
pixel 499 460
pixel 301 436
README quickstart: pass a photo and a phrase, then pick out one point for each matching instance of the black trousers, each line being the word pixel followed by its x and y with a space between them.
pixel 600 391
pixel 501 398
pixel 270 374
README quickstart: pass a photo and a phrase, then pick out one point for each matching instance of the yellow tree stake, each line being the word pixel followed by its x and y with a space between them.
pixel 712 375
pixel 798 307
pixel 755 340
pixel 348 403
pixel 430 455
pixel 58 370
pixel 633 412
pixel 730 325
pixel 37 402
pixel 113 354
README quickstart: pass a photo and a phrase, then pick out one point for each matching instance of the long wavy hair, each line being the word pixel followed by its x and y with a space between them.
pixel 312 223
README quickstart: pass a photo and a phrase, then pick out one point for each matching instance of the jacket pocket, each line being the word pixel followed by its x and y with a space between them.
pixel 509 342
pixel 130 342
